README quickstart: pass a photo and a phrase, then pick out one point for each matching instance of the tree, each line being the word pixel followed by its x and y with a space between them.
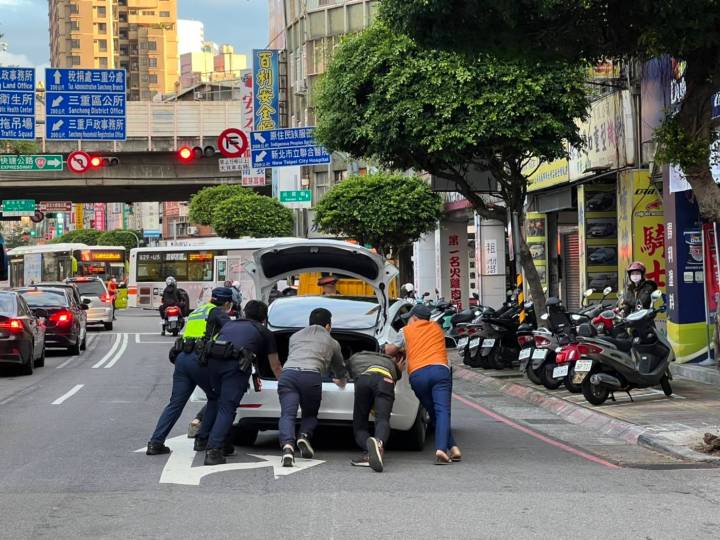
pixel 593 30
pixel 204 202
pixel 387 211
pixel 80 236
pixel 250 214
pixel 385 97
pixel 121 237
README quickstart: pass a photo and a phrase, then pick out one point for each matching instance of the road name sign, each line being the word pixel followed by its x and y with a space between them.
pixel 78 162
pixel 233 142
pixel 301 198
pixel 43 162
pixel 85 104
pixel 55 206
pixel 179 466
pixel 250 177
pixel 17 103
pixel 286 148
pixel 18 207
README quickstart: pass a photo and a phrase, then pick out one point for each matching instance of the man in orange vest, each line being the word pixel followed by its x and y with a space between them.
pixel 112 290
pixel 423 341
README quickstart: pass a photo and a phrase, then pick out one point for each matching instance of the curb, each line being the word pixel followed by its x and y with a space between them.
pixel 577 414
pixel 694 372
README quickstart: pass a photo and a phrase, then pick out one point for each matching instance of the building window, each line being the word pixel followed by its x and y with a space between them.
pixel 102 44
pixel 103 62
pixel 152 62
pixel 164 13
pixel 122 17
pixel 124 50
pixel 101 12
pixel 74 43
pixel 146 95
pixel 322 184
pixel 148 13
pixel 74 10
pixel 152 46
pixel 339 176
pixel 102 28
pixel 123 33
pixel 74 26
pixel 152 79
pixel 74 60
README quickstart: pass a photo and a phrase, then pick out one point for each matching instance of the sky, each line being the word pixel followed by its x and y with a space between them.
pixel 24 23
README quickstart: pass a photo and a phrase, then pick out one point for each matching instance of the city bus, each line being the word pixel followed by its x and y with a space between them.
pixel 196 268
pixel 56 262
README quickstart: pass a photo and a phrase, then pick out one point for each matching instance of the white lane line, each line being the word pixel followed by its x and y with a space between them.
pixel 110 352
pixel 75 389
pixel 125 338
pixel 66 362
pixel 137 338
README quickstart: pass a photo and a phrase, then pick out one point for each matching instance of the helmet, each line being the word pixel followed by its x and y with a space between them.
pixel 408 287
pixel 636 266
pixel 170 281
pixel 236 284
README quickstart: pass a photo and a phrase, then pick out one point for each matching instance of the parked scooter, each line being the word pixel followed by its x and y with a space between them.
pixel 174 321
pixel 610 364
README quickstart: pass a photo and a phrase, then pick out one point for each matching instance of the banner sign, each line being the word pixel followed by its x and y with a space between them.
pixel 266 88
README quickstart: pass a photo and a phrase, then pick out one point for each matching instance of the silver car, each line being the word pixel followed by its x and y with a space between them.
pixel 101 309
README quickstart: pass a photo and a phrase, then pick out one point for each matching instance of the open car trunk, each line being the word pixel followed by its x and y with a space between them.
pixel 350 342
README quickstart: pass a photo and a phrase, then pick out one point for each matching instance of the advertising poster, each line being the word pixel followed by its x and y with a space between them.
pixel 536 231
pixel 712 276
pixel 266 89
pixel 598 239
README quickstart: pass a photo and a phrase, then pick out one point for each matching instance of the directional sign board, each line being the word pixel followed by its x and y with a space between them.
pixel 85 104
pixel 286 148
pixel 250 177
pixel 17 103
pixel 233 142
pixel 296 199
pixel 55 206
pixel 42 163
pixel 18 207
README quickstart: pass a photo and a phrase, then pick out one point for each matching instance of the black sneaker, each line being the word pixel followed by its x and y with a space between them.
pixel 214 456
pixel 200 445
pixel 288 456
pixel 228 449
pixel 156 448
pixel 375 454
pixel 362 461
pixel 306 449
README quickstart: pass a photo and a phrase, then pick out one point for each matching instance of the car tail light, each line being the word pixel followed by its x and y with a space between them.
pixel 524 340
pixel 13 325
pixel 106 298
pixel 61 317
pixel 587 348
pixel 541 342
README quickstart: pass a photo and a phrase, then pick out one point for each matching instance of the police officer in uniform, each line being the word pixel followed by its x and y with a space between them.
pixel 229 377
pixel 208 318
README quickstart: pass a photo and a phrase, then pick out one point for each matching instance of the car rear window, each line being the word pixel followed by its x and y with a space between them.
pixel 8 304
pixel 90 288
pixel 45 298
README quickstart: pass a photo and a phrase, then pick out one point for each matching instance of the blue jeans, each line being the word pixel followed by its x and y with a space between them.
pixel 229 385
pixel 298 389
pixel 433 387
pixel 187 375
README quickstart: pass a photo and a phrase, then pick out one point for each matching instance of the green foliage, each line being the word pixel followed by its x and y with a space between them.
pixel 120 237
pixel 674 145
pixel 385 97
pixel 204 202
pixel 81 236
pixel 250 214
pixel 19 147
pixel 384 210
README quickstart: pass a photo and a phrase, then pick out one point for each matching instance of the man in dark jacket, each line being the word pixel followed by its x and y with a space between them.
pixel 638 290
pixel 375 375
pixel 170 296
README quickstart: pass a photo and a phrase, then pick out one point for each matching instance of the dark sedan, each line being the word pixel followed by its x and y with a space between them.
pixel 22 335
pixel 64 317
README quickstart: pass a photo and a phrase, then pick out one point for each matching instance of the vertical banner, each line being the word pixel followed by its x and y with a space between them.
pixel 536 233
pixel 598 243
pixel 99 211
pixel 452 263
pixel 78 216
pixel 712 277
pixel 266 89
pixel 246 97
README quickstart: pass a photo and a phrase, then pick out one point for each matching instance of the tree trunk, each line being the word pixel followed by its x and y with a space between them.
pixel 706 191
pixel 532 277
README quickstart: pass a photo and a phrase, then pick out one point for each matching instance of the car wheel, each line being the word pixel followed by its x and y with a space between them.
pixel 74 350
pixel 108 325
pixel 414 438
pixel 40 362
pixel 83 345
pixel 27 367
pixel 243 435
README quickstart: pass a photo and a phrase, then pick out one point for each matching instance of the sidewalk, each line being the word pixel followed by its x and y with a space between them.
pixel 673 425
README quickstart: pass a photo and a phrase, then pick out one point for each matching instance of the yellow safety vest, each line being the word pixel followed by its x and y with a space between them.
pixel 197 321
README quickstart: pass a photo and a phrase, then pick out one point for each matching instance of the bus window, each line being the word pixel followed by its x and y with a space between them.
pixel 50 267
pixel 4 266
pixel 149 267
pixel 17 273
pixel 176 265
pixel 200 266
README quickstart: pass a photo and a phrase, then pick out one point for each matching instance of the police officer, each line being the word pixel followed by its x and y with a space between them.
pixel 188 372
pixel 229 377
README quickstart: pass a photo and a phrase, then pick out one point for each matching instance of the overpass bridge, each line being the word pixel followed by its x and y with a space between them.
pixel 148 167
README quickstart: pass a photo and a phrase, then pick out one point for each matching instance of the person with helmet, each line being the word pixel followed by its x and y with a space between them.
pixel 170 295
pixel 237 296
pixel 329 285
pixel 408 291
pixel 638 290
pixel 203 323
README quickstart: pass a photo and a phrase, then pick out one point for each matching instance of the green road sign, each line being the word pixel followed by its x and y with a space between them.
pixel 45 163
pixel 301 196
pixel 18 207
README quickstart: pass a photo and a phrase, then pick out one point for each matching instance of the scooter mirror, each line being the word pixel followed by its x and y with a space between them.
pixel 425 295
pixel 607 290
pixel 544 316
pixel 545 290
pixel 656 294
pixel 575 317
pixel 508 292
pixel 589 293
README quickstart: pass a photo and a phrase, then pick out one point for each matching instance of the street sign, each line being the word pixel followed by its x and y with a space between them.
pixel 78 162
pixel 18 207
pixel 297 199
pixel 250 177
pixel 151 233
pixel 85 104
pixel 43 163
pixel 286 148
pixel 233 142
pixel 17 103
pixel 55 206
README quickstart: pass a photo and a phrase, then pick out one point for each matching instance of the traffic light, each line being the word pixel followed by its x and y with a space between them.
pixel 98 162
pixel 187 154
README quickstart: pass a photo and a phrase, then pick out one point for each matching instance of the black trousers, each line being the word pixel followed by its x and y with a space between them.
pixel 372 391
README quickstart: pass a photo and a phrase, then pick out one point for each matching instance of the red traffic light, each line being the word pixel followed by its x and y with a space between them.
pixel 185 153
pixel 95 162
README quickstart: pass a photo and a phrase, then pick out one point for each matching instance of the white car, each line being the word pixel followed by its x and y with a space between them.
pixel 359 324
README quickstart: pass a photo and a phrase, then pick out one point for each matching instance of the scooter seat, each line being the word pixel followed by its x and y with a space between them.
pixel 623 345
pixel 462 317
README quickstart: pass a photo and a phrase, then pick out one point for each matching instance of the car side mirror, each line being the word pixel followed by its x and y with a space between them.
pixel 87 301
pixel 84 307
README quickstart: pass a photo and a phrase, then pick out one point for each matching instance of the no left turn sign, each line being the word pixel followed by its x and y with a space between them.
pixel 78 162
pixel 233 142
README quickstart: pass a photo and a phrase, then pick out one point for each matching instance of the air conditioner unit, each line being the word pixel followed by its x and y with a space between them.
pixel 300 86
pixel 192 231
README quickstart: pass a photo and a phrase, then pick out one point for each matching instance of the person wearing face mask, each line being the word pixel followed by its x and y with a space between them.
pixel 638 291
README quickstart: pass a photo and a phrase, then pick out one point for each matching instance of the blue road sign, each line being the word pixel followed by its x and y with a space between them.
pixel 85 104
pixel 289 157
pixel 17 103
pixel 273 139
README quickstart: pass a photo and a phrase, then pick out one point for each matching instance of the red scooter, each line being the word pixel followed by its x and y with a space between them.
pixel 173 321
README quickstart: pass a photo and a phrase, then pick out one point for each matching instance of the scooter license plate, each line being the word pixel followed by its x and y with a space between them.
pixel 474 343
pixel 525 354
pixel 488 344
pixel 172 319
pixel 539 354
pixel 583 366
pixel 560 371
pixel 461 344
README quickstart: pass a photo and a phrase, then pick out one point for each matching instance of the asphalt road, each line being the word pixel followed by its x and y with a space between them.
pixel 69 469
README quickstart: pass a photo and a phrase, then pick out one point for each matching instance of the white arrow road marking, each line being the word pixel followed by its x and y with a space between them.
pixel 179 469
pixel 112 350
pixel 74 390
pixel 259 138
pixel 111 363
